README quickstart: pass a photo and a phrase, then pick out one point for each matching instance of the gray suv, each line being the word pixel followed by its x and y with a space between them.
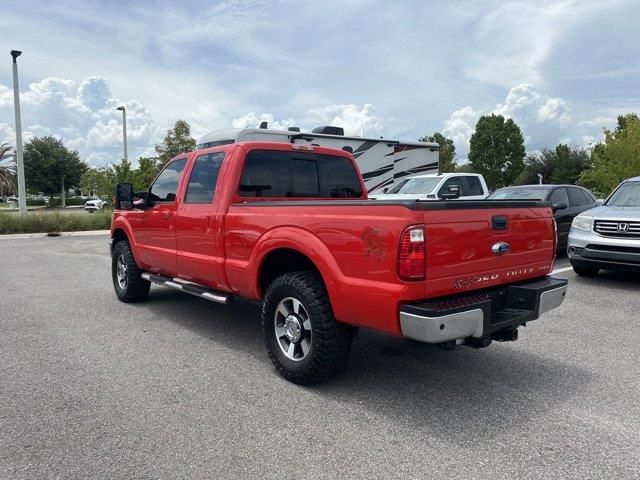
pixel 608 236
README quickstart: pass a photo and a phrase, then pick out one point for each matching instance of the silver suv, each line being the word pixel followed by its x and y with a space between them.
pixel 608 236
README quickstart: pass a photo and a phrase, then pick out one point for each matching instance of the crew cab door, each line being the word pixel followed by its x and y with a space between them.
pixel 199 227
pixel 155 235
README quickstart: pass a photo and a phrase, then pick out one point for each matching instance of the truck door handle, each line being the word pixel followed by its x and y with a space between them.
pixel 166 215
pixel 499 222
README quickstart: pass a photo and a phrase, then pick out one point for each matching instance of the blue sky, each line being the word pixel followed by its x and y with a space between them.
pixel 563 69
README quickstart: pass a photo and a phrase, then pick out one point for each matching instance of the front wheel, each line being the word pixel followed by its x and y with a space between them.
pixel 126 276
pixel 585 270
pixel 304 341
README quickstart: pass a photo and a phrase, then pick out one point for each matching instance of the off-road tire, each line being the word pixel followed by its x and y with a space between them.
pixel 330 341
pixel 136 288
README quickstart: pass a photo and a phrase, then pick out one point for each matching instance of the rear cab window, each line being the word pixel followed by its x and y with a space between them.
pixel 275 173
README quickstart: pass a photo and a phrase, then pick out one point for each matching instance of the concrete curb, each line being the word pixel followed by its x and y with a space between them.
pixel 61 234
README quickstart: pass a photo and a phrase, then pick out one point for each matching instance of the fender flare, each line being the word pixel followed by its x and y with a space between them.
pixel 302 241
pixel 121 223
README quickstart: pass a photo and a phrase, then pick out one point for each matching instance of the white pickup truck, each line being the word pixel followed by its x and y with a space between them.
pixel 471 186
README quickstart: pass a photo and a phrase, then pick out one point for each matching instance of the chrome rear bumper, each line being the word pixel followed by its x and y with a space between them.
pixel 481 315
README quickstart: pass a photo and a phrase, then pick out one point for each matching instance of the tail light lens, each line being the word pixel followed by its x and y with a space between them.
pixel 412 254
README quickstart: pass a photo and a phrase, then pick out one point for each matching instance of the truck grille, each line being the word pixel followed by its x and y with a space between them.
pixel 617 228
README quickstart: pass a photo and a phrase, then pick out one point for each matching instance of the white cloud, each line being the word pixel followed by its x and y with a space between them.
pixel 512 40
pixel 251 120
pixel 545 121
pixel 460 126
pixel 83 115
pixel 354 119
pixel 555 110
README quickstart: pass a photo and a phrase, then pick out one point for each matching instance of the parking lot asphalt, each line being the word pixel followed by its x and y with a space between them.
pixel 178 387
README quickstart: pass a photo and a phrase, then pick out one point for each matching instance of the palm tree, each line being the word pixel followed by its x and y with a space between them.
pixel 7 169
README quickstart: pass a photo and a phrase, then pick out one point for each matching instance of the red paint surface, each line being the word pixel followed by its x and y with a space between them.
pixel 354 247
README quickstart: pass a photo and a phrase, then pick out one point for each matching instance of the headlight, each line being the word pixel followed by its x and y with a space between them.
pixel 582 222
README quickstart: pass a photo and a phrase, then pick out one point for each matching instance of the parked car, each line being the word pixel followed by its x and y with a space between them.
pixel 94 205
pixel 567 201
pixel 608 236
pixel 290 225
pixel 434 187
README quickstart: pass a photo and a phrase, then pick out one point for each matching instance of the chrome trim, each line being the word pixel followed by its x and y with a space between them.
pixel 179 284
pixel 551 299
pixel 501 248
pixel 456 325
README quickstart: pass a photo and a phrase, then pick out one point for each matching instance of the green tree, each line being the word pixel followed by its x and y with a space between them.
pixel 120 172
pixel 465 168
pixel 8 183
pixel 177 141
pixel 447 153
pixel 146 172
pixel 564 164
pixel 50 167
pixel 497 150
pixel 97 182
pixel 616 159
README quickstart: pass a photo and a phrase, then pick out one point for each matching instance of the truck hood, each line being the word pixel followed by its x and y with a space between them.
pixel 605 212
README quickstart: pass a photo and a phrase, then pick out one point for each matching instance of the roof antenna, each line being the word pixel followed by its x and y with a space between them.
pixel 264 124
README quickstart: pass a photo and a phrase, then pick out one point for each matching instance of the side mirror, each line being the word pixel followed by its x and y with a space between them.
pixel 599 202
pixel 558 206
pixel 385 189
pixel 123 199
pixel 451 193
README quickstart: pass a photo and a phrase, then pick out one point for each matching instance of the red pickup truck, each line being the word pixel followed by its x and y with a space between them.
pixel 291 226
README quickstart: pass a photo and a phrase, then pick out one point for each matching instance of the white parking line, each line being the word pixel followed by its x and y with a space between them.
pixel 560 270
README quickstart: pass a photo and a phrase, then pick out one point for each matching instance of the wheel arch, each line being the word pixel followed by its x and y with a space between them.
pixel 280 261
pixel 299 250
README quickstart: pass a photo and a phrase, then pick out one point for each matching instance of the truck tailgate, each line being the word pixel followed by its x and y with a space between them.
pixel 480 244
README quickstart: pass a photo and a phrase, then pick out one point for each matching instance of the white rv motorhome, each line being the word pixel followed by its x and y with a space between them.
pixel 381 161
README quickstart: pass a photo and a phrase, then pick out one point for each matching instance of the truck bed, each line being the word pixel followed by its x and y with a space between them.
pixel 355 244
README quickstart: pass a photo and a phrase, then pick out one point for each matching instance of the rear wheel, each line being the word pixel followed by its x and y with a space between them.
pixel 304 341
pixel 126 276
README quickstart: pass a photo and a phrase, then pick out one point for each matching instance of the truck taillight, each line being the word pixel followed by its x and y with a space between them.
pixel 412 254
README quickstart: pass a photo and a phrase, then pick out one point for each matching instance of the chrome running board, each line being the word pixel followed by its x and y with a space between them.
pixel 188 287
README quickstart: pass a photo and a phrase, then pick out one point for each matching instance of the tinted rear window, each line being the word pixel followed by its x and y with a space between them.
pixel 270 173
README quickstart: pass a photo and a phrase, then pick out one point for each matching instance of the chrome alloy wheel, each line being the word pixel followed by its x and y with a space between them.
pixel 121 272
pixel 293 329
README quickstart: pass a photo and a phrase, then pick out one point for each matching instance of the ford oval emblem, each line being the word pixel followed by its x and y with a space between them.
pixel 501 248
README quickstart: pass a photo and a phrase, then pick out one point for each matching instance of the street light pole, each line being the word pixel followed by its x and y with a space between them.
pixel 22 191
pixel 124 130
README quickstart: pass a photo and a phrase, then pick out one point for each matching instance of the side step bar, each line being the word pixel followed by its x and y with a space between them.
pixel 188 287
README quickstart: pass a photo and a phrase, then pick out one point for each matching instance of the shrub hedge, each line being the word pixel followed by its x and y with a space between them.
pixel 49 222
